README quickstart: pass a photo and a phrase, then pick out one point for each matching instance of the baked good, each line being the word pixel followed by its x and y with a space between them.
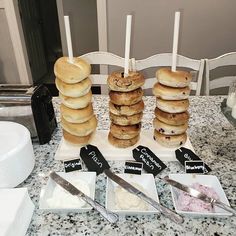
pixel 125 132
pixel 74 90
pixel 80 129
pixel 126 110
pixel 117 82
pixel 126 98
pixel 76 103
pixel 76 140
pixel 122 143
pixel 71 73
pixel 169 93
pixel 164 128
pixel 126 120
pixel 77 115
pixel 172 118
pixel 170 141
pixel 178 79
pixel 172 106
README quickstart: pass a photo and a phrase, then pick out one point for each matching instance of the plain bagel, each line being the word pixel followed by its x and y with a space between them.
pixel 126 98
pixel 117 82
pixel 122 143
pixel 170 141
pixel 74 90
pixel 126 120
pixel 172 118
pixel 164 128
pixel 172 106
pixel 125 132
pixel 77 115
pixel 77 140
pixel 169 93
pixel 178 79
pixel 76 103
pixel 71 73
pixel 81 129
pixel 125 109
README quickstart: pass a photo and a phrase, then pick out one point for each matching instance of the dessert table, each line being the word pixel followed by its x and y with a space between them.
pixel 214 140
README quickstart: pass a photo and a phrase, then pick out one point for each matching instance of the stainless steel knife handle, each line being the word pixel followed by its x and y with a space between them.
pixel 165 211
pixel 224 206
pixel 110 216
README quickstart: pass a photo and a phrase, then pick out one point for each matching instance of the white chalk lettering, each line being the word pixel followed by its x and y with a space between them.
pixel 144 151
pixel 133 168
pixel 146 161
pixel 194 167
pixel 95 159
pixel 187 157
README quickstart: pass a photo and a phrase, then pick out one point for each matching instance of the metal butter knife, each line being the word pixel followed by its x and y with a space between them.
pixel 197 194
pixel 130 188
pixel 110 216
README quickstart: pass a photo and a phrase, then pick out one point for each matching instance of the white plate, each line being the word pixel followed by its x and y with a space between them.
pixel 207 180
pixel 148 184
pixel 67 151
pixel 47 191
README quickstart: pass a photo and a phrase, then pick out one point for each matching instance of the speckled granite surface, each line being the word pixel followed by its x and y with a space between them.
pixel 214 140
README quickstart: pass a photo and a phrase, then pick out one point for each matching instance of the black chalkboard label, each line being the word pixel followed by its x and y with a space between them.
pixel 184 154
pixel 133 167
pixel 72 165
pixel 196 167
pixel 151 163
pixel 93 159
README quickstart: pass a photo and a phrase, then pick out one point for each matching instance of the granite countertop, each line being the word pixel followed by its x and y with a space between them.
pixel 213 139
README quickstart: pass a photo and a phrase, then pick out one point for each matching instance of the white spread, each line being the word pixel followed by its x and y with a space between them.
pixel 128 201
pixel 234 111
pixel 63 199
pixel 231 100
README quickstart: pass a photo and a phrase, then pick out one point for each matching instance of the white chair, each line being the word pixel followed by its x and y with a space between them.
pixel 165 59
pixel 103 58
pixel 158 60
pixel 227 59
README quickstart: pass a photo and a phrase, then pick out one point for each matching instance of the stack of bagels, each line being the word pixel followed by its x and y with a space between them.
pixel 77 117
pixel 126 108
pixel 171 116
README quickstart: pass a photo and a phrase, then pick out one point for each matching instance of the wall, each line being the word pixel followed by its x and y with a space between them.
pixel 8 68
pixel 83 23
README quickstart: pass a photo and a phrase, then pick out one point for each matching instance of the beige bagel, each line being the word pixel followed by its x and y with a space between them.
pixel 172 118
pixel 172 106
pixel 81 129
pixel 77 140
pixel 74 90
pixel 77 115
pixel 117 82
pixel 126 98
pixel 125 132
pixel 71 73
pixel 164 128
pixel 76 103
pixel 122 143
pixel 126 110
pixel 178 79
pixel 126 120
pixel 169 93
pixel 170 141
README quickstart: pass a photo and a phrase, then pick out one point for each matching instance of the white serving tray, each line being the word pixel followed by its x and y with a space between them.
pixel 66 151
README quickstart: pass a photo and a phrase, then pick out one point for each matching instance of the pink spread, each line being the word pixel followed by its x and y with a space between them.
pixel 187 203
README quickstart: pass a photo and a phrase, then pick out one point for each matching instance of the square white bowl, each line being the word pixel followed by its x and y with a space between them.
pixel 207 180
pixel 148 184
pixel 47 191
